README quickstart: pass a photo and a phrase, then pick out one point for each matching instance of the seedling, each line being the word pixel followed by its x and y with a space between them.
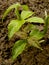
pixel 35 36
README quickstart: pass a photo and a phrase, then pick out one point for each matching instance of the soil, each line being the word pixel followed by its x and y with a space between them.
pixel 31 56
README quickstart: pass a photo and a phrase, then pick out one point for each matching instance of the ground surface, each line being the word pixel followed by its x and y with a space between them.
pixel 31 56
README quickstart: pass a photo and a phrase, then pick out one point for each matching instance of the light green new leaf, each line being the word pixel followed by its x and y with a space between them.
pixel 36 34
pixel 35 20
pixel 26 14
pixel 33 42
pixel 10 8
pixel 36 44
pixel 18 48
pixel 25 7
pixel 14 26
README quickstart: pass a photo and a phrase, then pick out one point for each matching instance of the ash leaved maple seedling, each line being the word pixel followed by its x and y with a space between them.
pixel 35 36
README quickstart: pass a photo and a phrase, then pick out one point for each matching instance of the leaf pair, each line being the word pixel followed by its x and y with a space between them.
pixel 16 7
pixel 10 8
pixel 27 14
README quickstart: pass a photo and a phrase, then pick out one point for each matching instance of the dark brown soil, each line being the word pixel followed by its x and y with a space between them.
pixel 31 56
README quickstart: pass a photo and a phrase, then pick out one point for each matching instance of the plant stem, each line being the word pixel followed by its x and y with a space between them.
pixel 46 24
pixel 17 13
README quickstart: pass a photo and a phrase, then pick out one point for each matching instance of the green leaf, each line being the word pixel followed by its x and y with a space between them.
pixel 9 9
pixel 14 26
pixel 34 42
pixel 26 14
pixel 25 7
pixel 35 20
pixel 29 27
pixel 36 34
pixel 18 48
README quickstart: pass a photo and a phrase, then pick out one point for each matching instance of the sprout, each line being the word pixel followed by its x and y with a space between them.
pixel 35 36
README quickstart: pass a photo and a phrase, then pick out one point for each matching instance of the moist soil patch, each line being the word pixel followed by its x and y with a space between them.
pixel 31 56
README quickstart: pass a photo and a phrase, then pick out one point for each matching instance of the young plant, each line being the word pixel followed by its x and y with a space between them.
pixel 35 36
